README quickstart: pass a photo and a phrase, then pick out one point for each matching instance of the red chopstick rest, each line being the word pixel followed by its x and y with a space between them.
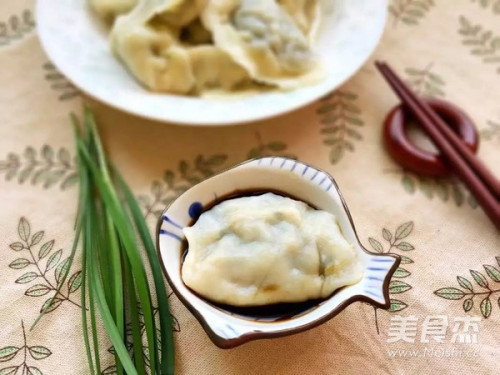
pixel 416 159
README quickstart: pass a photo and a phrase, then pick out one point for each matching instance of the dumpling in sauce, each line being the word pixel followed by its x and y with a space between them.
pixel 262 37
pixel 148 41
pixel 267 249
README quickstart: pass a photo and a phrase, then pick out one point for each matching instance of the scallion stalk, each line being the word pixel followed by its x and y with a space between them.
pixel 115 286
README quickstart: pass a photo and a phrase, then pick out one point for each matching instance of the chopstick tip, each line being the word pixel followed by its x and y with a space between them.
pixel 379 65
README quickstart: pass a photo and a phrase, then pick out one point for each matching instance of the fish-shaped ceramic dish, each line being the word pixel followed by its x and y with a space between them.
pixel 301 181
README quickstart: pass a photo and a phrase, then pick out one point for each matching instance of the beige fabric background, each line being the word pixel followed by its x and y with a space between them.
pixel 423 41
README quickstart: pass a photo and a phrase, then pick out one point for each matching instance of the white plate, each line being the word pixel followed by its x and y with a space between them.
pixel 77 43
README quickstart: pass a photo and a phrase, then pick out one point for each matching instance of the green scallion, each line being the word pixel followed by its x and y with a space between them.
pixel 115 286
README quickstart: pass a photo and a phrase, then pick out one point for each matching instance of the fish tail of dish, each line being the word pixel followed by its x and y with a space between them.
pixel 377 277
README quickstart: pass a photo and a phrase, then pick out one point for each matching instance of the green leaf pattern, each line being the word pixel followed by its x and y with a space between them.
pixel 397 286
pixel 397 305
pixel 41 168
pixel 392 241
pixel 16 27
pixel 488 289
pixel 129 341
pixel 493 5
pixel 445 189
pixel 39 268
pixel 492 132
pixel 409 12
pixel 60 84
pixel 340 120
pixel 272 148
pixel 481 42
pixel 22 356
pixel 189 173
pixel 7 353
pixel 425 81
pixel 176 182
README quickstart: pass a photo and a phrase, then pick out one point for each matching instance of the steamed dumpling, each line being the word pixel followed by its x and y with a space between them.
pixel 178 13
pixel 152 54
pixel 262 37
pixel 148 41
pixel 303 12
pixel 213 68
pixel 109 9
pixel 154 58
pixel 267 249
pixel 191 47
pixel 195 34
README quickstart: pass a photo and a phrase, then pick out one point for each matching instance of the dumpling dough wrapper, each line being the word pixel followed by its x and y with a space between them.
pixel 147 41
pixel 267 249
pixel 109 9
pixel 263 38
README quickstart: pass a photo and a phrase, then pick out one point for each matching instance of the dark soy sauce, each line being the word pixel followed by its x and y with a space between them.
pixel 266 313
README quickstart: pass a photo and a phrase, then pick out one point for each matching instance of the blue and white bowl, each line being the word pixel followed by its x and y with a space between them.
pixel 300 181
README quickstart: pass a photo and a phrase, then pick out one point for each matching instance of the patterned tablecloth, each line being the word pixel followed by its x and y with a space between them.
pixel 445 310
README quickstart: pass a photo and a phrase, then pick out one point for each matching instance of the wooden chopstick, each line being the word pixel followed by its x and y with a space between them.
pixel 484 173
pixel 482 185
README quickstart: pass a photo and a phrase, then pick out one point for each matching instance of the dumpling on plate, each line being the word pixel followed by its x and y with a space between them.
pixel 109 9
pixel 305 13
pixel 178 13
pixel 195 34
pixel 213 69
pixel 153 57
pixel 148 41
pixel 262 37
